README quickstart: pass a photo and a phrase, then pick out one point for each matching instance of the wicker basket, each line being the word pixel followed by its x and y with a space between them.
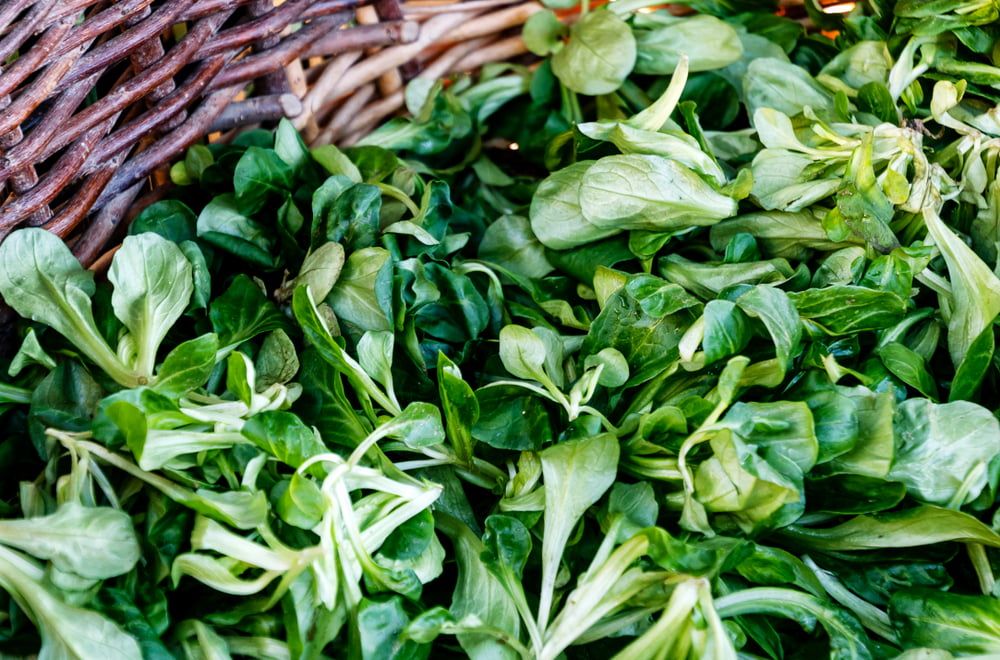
pixel 99 95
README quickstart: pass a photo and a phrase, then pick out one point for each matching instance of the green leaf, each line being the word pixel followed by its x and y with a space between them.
pixel 787 235
pixel 331 351
pixel 299 501
pixel 543 32
pixel 772 83
pixel 42 280
pixel 974 366
pixel 509 242
pixel 459 406
pixel 375 356
pixel 284 436
pixel 353 219
pixel 847 637
pixel 241 379
pixel 188 366
pixel 557 218
pixel 442 120
pixel 321 270
pixel 259 173
pixel 419 425
pixel 324 403
pixel 863 205
pixel 335 162
pixel 224 224
pixel 874 451
pixel 65 399
pixel 30 352
pixel 851 494
pixel 197 159
pixel 277 361
pixel 144 620
pixel 170 218
pixel 92 542
pixel 846 309
pixel 633 507
pixel 507 544
pixel 639 191
pixel 963 625
pixel 153 284
pixel 509 418
pixel 644 321
pixel 380 625
pixel 727 330
pixel 199 269
pixel 361 296
pixel 575 474
pixel 67 631
pixel 662 40
pixel 754 486
pixel 909 367
pixel 975 290
pixel 600 54
pixel 614 368
pixel 776 311
pixel 919 526
pixel 242 313
pixel 709 280
pixel 874 98
pixel 289 146
pixel 523 353
pixel 480 594
pixel 944 450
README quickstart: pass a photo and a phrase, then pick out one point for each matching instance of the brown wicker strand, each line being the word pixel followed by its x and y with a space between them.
pixel 146 82
pixel 24 28
pixel 121 13
pixel 113 49
pixel 168 146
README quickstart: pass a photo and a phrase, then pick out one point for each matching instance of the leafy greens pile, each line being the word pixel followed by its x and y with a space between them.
pixel 680 344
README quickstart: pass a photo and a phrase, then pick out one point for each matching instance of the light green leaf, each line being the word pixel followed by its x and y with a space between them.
pixel 944 449
pixel 963 625
pixel 42 280
pixel 509 242
pixel 478 593
pixel 783 86
pixel 31 352
pixel 600 54
pixel 375 356
pixel 922 525
pixel 321 269
pixel 975 291
pixel 67 632
pixel 662 40
pixel 188 366
pixel 575 474
pixel 358 297
pixel 523 353
pixel 652 193
pixel 542 32
pixel 92 542
pixel 557 218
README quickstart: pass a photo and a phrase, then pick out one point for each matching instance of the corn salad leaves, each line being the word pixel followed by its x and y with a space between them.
pixel 679 344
